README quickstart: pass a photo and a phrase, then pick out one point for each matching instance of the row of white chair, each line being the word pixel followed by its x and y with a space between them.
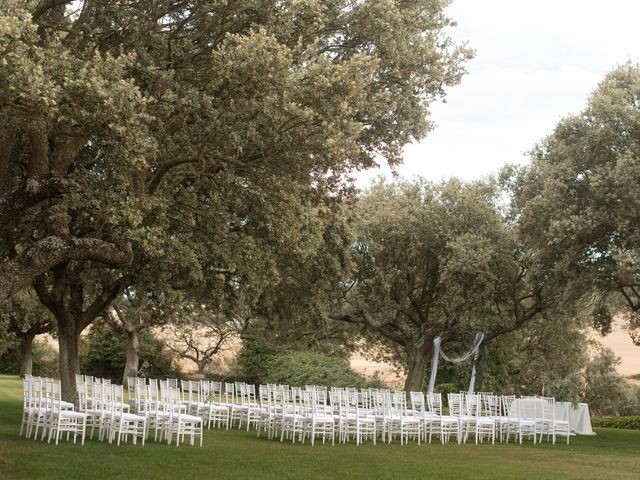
pixel 183 407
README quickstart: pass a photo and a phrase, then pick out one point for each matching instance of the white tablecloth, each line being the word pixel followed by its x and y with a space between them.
pixel 577 416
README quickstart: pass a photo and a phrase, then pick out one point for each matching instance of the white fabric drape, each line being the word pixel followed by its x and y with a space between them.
pixel 438 352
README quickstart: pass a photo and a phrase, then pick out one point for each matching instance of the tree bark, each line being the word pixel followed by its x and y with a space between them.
pixel 68 342
pixel 202 364
pixel 26 354
pixel 133 355
pixel 416 366
pixel 45 254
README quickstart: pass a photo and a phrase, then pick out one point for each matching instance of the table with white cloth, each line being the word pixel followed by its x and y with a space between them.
pixel 576 414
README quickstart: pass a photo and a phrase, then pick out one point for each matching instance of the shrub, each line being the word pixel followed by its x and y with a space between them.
pixel 253 358
pixel 630 423
pixel 45 360
pixel 262 362
pixel 308 367
pixel 102 354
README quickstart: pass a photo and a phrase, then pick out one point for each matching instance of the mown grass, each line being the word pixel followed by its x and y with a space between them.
pixel 239 455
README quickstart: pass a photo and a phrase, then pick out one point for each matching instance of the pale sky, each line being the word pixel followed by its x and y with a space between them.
pixel 536 62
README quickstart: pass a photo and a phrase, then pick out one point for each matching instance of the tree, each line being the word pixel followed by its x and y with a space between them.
pixel 102 354
pixel 128 127
pixel 438 260
pixel 130 315
pixel 26 318
pixel 578 201
pixel 200 334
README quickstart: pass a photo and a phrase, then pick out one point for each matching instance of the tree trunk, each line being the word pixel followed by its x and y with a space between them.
pixel 26 354
pixel 68 341
pixel 133 355
pixel 202 364
pixel 417 363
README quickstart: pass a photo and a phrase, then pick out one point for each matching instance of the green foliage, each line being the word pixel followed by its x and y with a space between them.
pixel 308 367
pixel 45 360
pixel 254 357
pixel 578 200
pixel 567 389
pixel 262 362
pixel 628 423
pixel 439 260
pixel 103 355
pixel 607 392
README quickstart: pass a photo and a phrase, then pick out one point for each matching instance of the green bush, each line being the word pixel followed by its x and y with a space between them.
pixel 102 354
pixel 629 423
pixel 253 358
pixel 45 360
pixel 308 367
pixel 261 362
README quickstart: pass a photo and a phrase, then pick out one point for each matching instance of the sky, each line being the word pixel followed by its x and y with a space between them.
pixel 536 62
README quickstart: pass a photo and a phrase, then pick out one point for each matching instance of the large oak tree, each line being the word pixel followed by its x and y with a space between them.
pixel 579 202
pixel 439 260
pixel 126 126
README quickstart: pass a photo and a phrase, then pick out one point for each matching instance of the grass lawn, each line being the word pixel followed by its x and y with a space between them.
pixel 238 454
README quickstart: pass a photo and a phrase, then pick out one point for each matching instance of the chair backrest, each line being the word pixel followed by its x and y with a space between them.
pixel 548 408
pixel 455 404
pixel 473 405
pixel 172 382
pixel 229 392
pixel 507 403
pixel 491 406
pixel 417 401
pixel 434 400
pixel 529 408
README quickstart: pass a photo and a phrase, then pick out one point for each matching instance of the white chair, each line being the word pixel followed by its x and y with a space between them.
pixel 318 422
pixel 398 422
pixel 477 423
pixel 182 424
pixel 122 424
pixel 210 411
pixel 550 424
pixel 450 425
pixel 62 420
pixel 524 423
pixel 354 420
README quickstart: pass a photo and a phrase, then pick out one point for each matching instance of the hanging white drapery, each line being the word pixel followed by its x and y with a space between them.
pixel 438 352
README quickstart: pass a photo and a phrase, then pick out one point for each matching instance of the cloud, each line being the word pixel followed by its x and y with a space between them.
pixel 536 63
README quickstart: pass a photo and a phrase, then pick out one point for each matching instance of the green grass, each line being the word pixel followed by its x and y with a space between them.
pixel 237 454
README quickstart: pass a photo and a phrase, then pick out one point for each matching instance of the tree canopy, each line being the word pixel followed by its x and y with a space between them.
pixel 174 143
pixel 439 260
pixel 578 201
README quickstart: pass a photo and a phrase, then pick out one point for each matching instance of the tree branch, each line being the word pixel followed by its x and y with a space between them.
pixel 45 254
pixel 45 6
pixel 28 194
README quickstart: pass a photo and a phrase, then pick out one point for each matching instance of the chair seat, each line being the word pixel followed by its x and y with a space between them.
pixel 189 418
pixel 323 418
pixel 71 414
pixel 131 417
pixel 217 408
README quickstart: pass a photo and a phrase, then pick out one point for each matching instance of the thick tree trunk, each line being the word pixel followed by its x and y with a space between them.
pixel 133 355
pixel 417 364
pixel 26 354
pixel 68 341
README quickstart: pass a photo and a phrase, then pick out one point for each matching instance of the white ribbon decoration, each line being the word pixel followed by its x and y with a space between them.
pixel 437 352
